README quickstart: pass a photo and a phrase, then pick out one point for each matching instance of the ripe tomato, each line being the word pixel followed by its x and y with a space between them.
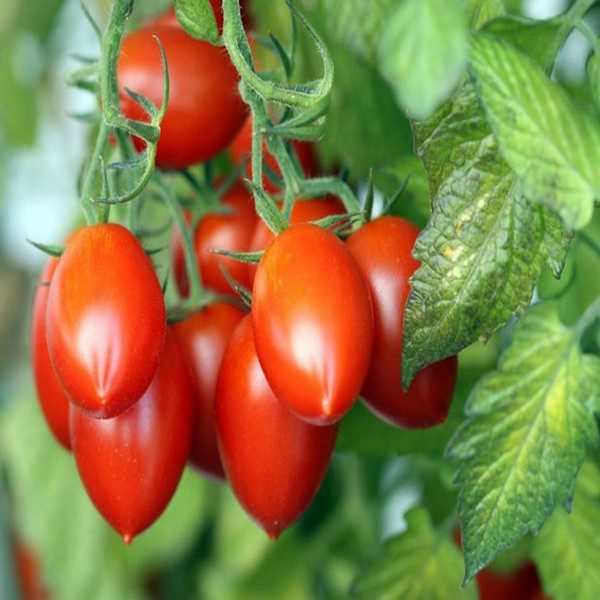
pixel 203 339
pixel 242 147
pixel 29 572
pixel 205 109
pixel 225 232
pixel 274 461
pixel 105 320
pixel 523 584
pixel 53 399
pixel 304 211
pixel 313 323
pixel 131 465
pixel 383 249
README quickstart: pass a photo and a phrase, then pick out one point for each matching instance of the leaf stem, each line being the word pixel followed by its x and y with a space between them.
pixel 94 213
pixel 591 314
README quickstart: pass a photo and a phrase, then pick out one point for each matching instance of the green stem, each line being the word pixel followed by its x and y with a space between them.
pixel 94 213
pixel 588 318
pixel 589 34
pixel 579 10
pixel 191 265
pixel 588 241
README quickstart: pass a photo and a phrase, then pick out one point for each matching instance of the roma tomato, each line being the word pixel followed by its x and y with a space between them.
pixel 205 109
pixel 313 323
pixel 232 232
pixel 241 147
pixel 274 461
pixel 131 465
pixel 383 250
pixel 203 339
pixel 304 211
pixel 53 399
pixel 105 320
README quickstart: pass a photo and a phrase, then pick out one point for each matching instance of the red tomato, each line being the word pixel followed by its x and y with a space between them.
pixel 523 584
pixel 105 320
pixel 203 339
pixel 131 465
pixel 274 461
pixel 52 397
pixel 304 211
pixel 170 18
pixel 241 147
pixel 313 323
pixel 205 109
pixel 225 232
pixel 29 573
pixel 383 249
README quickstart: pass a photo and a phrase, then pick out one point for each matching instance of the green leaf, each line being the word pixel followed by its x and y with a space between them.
pixel 567 550
pixel 484 247
pixel 529 426
pixel 423 51
pixel 419 564
pixel 482 11
pixel 540 40
pixel 552 144
pixel 197 19
pixel 358 24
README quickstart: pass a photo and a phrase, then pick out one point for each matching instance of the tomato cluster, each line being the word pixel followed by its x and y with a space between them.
pixel 251 398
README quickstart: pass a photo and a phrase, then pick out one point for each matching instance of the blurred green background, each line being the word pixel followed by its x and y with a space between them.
pixel 204 546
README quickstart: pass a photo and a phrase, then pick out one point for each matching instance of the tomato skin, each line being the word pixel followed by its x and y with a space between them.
pixel 383 250
pixel 53 399
pixel 274 461
pixel 232 232
pixel 304 211
pixel 313 323
pixel 131 464
pixel 29 572
pixel 241 148
pixel 523 584
pixel 205 110
pixel 203 339
pixel 105 320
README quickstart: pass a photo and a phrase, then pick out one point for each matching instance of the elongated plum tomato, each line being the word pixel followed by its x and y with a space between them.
pixel 53 399
pixel 203 339
pixel 383 250
pixel 205 110
pixel 131 465
pixel 105 320
pixel 313 323
pixel 304 211
pixel 232 232
pixel 241 147
pixel 274 461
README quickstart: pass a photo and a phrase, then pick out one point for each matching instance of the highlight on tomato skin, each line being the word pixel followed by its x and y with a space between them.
pixel 274 461
pixel 203 339
pixel 205 110
pixel 51 395
pixel 229 231
pixel 241 147
pixel 313 323
pixel 104 349
pixel 383 249
pixel 130 465
pixel 303 211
